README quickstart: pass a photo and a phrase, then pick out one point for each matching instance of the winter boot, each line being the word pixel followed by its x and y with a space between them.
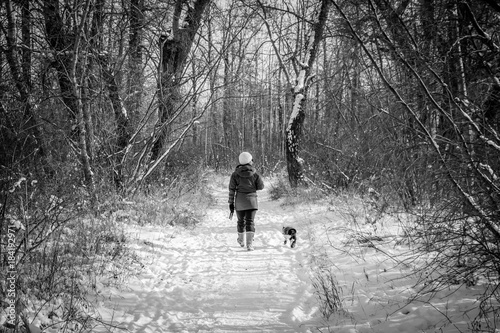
pixel 250 241
pixel 241 240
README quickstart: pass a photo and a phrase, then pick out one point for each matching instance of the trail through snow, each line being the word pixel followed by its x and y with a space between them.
pixel 201 280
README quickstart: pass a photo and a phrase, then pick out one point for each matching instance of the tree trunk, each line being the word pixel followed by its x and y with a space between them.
pixel 194 106
pixel 293 134
pixel 135 79
pixel 77 72
pixel 174 52
pixel 61 41
pixel 227 119
pixel 20 68
pixel 123 125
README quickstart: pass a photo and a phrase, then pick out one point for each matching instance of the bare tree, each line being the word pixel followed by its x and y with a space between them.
pixel 304 66
pixel 175 49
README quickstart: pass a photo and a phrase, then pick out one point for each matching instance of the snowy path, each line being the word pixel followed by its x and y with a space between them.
pixel 201 280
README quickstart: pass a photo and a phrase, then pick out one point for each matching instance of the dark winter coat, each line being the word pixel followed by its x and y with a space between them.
pixel 243 187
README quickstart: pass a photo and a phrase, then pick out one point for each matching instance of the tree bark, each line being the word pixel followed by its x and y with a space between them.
pixel 21 74
pixel 123 129
pixel 194 106
pixel 61 42
pixel 71 66
pixel 174 52
pixel 135 79
pixel 227 119
pixel 294 129
pixel 77 78
pixel 123 125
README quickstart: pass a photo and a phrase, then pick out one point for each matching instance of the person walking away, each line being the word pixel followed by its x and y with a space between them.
pixel 243 186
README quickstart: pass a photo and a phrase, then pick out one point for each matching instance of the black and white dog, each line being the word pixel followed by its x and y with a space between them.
pixel 290 234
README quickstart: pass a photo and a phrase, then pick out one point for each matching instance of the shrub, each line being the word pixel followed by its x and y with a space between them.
pixel 57 250
pixel 280 189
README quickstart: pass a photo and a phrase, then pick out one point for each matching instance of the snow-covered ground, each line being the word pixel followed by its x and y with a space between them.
pixel 201 280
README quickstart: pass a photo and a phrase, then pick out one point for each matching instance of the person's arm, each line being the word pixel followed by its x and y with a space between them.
pixel 259 183
pixel 232 188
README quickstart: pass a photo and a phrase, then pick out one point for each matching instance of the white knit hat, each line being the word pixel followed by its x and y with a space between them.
pixel 245 158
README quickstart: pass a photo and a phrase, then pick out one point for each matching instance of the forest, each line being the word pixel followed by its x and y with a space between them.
pixel 108 104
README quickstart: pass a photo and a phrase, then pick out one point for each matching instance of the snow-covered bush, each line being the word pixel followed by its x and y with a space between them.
pixel 56 255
